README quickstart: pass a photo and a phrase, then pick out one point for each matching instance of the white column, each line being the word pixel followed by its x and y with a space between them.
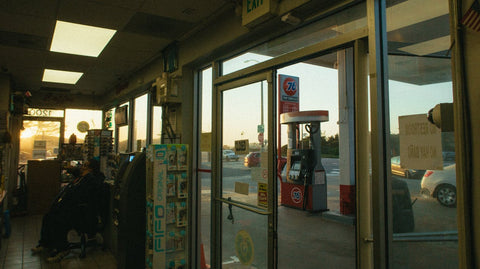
pixel 346 125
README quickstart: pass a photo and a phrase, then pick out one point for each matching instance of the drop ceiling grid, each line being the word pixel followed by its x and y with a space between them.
pixel 39 8
pixel 26 24
pixel 94 14
pixel 175 9
pixel 19 57
pixel 68 62
pixel 132 41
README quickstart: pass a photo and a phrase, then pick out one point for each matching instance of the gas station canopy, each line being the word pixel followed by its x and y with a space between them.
pixel 304 116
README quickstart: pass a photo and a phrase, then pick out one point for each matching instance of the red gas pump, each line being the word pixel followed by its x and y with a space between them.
pixel 305 183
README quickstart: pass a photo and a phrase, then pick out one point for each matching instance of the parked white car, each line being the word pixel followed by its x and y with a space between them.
pixel 229 155
pixel 441 184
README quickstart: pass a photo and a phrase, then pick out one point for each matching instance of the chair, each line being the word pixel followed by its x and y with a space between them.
pixel 95 214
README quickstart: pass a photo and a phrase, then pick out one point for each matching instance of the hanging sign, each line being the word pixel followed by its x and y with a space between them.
pixel 39 112
pixel 39 144
pixel 241 146
pixel 289 93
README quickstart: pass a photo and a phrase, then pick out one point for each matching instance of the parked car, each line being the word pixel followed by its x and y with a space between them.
pixel 407 173
pixel 252 159
pixel 441 184
pixel 448 157
pixel 229 155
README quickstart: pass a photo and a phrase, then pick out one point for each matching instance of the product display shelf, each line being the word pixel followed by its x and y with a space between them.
pixel 167 205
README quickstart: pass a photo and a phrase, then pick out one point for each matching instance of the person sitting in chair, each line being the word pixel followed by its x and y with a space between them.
pixel 68 210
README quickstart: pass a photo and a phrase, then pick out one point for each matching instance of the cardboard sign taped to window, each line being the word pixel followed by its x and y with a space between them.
pixel 420 143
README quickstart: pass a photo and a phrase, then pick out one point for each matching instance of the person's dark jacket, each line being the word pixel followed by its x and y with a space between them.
pixel 78 201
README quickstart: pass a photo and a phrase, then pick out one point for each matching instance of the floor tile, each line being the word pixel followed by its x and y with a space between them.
pixel 32 265
pixel 15 252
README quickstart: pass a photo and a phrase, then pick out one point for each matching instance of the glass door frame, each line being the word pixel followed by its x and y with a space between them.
pixel 217 200
pixel 364 233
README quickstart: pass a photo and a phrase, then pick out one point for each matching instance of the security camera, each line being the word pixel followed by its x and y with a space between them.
pixel 290 19
pixel 442 116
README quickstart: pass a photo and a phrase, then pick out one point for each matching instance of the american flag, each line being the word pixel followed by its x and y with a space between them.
pixel 471 19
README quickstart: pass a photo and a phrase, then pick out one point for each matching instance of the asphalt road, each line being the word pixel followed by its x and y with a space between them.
pixel 429 215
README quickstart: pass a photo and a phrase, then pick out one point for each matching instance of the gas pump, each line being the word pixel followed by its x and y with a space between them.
pixel 305 185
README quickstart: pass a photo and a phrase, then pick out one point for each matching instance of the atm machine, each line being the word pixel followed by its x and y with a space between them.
pixel 305 183
pixel 129 213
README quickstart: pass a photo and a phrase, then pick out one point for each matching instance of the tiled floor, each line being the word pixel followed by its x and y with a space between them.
pixel 15 251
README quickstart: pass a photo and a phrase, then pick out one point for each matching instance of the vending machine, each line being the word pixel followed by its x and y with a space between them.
pixel 167 206
pixel 305 183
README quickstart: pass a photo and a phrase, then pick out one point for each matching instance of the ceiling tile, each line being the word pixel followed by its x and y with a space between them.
pixel 24 24
pixel 186 10
pixel 38 8
pixel 13 39
pixel 158 26
pixel 26 78
pixel 94 14
pixel 68 62
pixel 130 4
pixel 132 41
pixel 19 57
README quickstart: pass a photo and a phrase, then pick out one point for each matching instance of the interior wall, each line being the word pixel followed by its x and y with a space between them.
pixel 62 100
pixel 142 79
pixel 5 88
pixel 11 149
pixel 186 114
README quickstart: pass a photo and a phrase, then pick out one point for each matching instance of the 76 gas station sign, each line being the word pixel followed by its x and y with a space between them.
pixel 289 93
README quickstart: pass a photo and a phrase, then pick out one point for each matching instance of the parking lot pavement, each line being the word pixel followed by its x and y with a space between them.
pixel 429 215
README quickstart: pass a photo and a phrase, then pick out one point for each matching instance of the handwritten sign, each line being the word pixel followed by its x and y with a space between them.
pixel 420 143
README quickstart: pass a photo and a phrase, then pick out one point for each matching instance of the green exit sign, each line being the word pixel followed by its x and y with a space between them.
pixel 256 11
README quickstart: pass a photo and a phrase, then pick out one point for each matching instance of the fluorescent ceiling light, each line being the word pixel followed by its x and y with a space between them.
pixel 60 76
pixel 428 47
pixel 80 39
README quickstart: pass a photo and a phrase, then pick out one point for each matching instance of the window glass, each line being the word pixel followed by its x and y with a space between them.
pixel 423 178
pixel 140 123
pixel 123 134
pixel 323 84
pixel 110 123
pixel 157 125
pixel 79 121
pixel 39 140
pixel 346 21
pixel 205 173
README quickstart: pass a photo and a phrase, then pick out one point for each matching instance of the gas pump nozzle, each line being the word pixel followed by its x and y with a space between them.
pixel 306 172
